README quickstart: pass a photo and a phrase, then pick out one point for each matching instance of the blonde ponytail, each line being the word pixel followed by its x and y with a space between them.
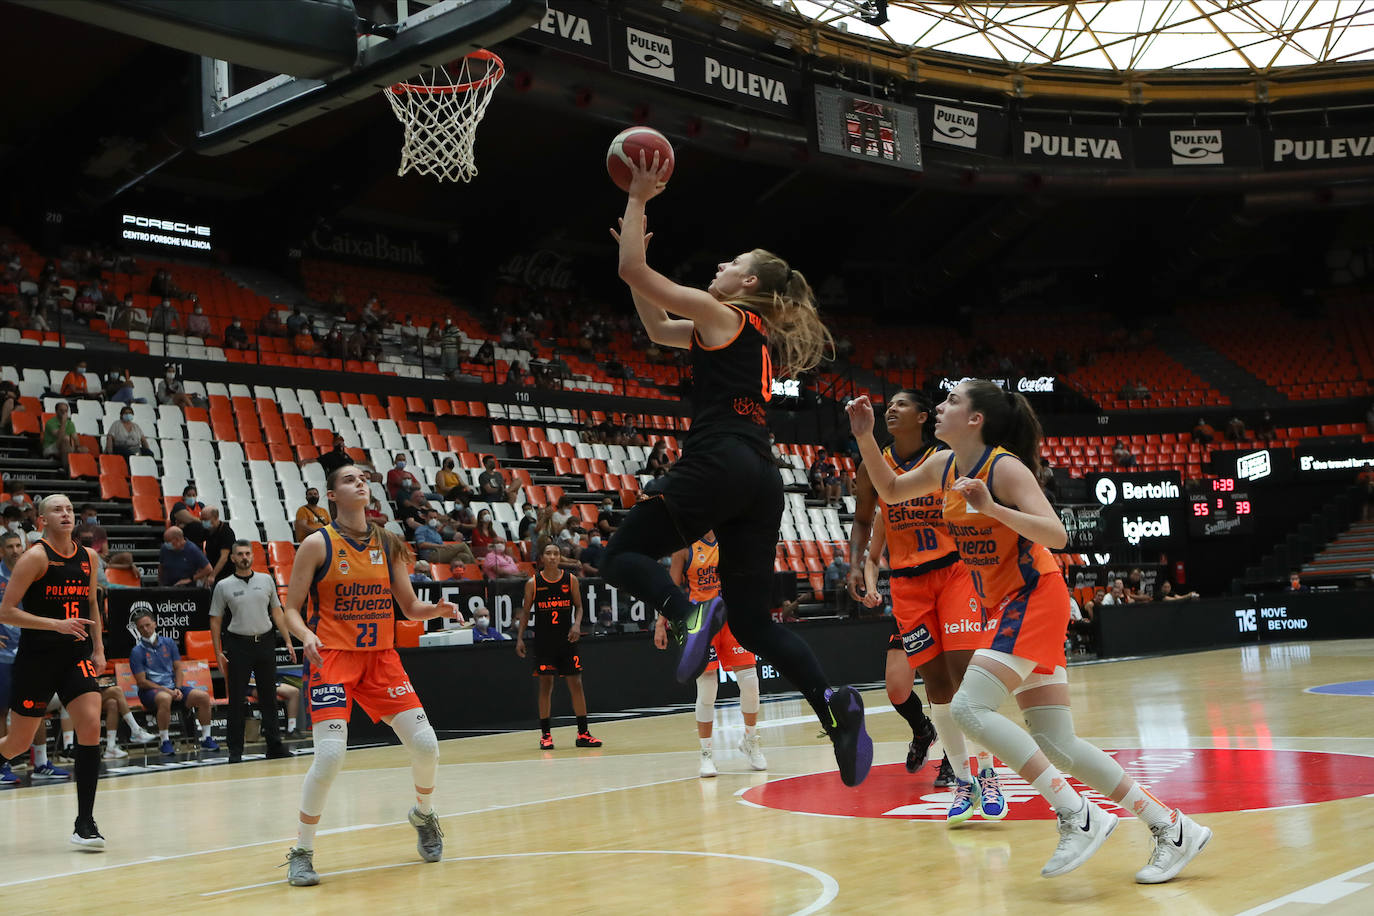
pixel 788 307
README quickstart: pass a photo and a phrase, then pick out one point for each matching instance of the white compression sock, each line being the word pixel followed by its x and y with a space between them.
pixel 415 732
pixel 705 744
pixel 331 741
pixel 165 734
pixel 952 739
pixel 291 725
pixel 40 755
pixel 110 738
pixel 707 687
pixel 131 722
pixel 748 680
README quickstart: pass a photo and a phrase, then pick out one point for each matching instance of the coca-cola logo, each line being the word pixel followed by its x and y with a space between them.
pixel 1043 383
pixel 543 269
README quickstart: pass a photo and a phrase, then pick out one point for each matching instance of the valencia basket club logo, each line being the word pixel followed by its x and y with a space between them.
pixel 1255 779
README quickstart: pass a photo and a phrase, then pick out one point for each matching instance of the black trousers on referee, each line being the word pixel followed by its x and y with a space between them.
pixel 250 656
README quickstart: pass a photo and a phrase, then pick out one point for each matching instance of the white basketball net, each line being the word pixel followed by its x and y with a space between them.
pixel 440 117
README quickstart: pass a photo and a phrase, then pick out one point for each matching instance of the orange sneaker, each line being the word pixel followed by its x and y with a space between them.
pixel 584 739
pixel 546 742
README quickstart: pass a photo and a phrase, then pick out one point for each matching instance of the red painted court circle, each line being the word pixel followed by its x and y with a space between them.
pixel 1198 780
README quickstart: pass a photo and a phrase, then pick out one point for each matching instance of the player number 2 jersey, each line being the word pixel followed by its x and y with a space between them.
pixel 915 529
pixel 553 607
pixel 1000 561
pixel 352 605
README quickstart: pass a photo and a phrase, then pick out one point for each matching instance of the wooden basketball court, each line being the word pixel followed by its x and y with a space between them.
pixel 630 828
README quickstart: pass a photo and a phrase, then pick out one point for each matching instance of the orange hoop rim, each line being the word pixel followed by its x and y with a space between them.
pixel 479 54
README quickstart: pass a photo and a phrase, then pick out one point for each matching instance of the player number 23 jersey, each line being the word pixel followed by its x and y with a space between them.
pixel 352 605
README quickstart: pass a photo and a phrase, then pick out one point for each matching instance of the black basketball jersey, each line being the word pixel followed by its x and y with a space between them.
pixel 553 607
pixel 63 591
pixel 733 383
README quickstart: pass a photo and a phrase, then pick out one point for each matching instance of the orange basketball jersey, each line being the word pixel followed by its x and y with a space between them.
pixel 915 529
pixel 351 600
pixel 1000 561
pixel 703 581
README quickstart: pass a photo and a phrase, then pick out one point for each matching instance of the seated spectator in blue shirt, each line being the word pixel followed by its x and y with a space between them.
pixel 181 562
pixel 429 542
pixel 158 670
pixel 422 573
pixel 482 630
pixel 591 556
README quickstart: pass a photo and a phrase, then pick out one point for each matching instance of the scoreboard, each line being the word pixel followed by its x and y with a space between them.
pixel 862 127
pixel 1220 507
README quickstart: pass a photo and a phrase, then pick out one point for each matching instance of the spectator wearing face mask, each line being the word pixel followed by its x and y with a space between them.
pixel 77 384
pixel 172 390
pixel 165 319
pixel 336 457
pixel 497 564
pixel 59 434
pixel 235 336
pixel 126 437
pixel 198 323
pixel 129 317
pixel 492 485
pixel 429 542
pixel 484 534
pixel 605 517
pixel 528 519
pixel 450 484
pixel 187 510
pixel 181 563
pixel 591 556
pixel 120 387
pixel 421 575
pixel 482 630
pixel 310 517
pixel 400 482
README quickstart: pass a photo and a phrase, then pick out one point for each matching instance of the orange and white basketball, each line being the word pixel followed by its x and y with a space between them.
pixel 626 147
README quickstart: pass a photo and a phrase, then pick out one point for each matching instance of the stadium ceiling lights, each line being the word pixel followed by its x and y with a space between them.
pixel 1120 36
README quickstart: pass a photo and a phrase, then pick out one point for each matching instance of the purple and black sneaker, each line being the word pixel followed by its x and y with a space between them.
pixel 853 746
pixel 702 624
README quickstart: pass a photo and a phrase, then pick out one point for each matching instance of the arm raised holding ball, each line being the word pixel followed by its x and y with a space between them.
pixel 704 314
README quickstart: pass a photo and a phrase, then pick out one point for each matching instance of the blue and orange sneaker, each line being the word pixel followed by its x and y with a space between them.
pixel 703 623
pixel 992 804
pixel 965 802
pixel 853 746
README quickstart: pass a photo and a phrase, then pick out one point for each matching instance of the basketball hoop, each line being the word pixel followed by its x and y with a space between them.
pixel 441 116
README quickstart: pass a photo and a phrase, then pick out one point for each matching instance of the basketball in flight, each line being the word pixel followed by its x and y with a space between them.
pixel 626 147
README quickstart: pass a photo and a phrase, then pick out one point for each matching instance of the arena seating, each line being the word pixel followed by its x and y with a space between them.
pixel 1305 356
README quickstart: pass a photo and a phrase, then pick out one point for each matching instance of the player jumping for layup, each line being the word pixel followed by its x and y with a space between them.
pixel 351 571
pixel 726 480
pixel 60 651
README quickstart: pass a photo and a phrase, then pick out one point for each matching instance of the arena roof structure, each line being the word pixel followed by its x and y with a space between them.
pixel 1147 49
